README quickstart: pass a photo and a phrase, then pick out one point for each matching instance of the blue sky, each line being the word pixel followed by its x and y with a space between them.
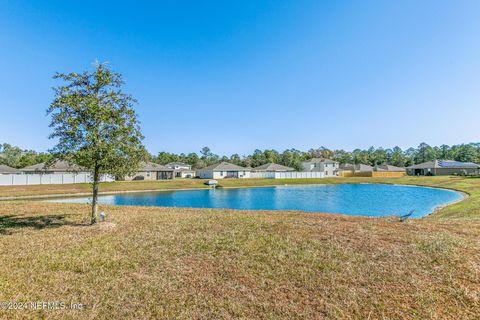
pixel 241 75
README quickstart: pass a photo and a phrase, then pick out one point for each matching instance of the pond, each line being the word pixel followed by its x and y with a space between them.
pixel 374 200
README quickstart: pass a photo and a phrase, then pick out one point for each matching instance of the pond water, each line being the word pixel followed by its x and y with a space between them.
pixel 374 200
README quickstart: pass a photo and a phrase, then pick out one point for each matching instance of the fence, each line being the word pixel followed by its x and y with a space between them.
pixel 374 174
pixel 49 178
pixel 287 175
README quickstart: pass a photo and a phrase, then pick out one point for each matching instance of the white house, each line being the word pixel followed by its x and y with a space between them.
pixel 181 169
pixel 223 170
pixel 328 167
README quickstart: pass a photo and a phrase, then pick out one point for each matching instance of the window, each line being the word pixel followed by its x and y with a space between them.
pixel 221 173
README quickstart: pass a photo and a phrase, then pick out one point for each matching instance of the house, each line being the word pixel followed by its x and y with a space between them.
pixel 272 167
pixel 223 170
pixel 443 167
pixel 389 168
pixel 8 170
pixel 357 167
pixel 152 171
pixel 355 170
pixel 58 166
pixel 181 169
pixel 328 167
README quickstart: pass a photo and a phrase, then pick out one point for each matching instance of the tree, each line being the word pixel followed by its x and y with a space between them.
pixel 11 155
pixel 96 126
pixel 397 158
pixel 425 153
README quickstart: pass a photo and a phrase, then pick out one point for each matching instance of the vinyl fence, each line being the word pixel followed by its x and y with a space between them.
pixel 287 175
pixel 51 178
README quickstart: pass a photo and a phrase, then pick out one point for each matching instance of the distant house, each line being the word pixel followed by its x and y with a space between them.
pixel 328 167
pixel 365 170
pixel 8 170
pixel 152 171
pixel 223 170
pixel 272 167
pixel 358 167
pixel 389 168
pixel 56 167
pixel 181 169
pixel 443 167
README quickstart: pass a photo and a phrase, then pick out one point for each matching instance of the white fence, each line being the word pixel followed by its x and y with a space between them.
pixel 286 175
pixel 49 178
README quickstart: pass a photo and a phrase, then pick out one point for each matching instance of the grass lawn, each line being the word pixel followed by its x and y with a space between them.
pixel 205 263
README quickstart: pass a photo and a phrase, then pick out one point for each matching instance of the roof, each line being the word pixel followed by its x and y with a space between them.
pixel 444 164
pixel 318 160
pixel 390 168
pixel 272 167
pixel 58 165
pixel 7 169
pixel 359 167
pixel 225 166
pixel 150 166
pixel 178 164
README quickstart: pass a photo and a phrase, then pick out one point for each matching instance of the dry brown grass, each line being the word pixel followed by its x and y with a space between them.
pixel 200 263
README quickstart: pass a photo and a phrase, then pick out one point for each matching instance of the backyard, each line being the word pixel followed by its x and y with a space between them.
pixel 206 263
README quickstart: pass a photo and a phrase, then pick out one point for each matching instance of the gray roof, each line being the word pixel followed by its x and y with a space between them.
pixel 7 169
pixel 225 166
pixel 389 168
pixel 318 160
pixel 59 165
pixel 273 167
pixel 359 167
pixel 150 166
pixel 444 164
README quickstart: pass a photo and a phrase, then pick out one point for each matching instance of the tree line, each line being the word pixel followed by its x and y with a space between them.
pixel 16 157
pixel 293 158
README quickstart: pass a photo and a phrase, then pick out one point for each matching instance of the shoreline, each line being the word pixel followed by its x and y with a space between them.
pixel 464 195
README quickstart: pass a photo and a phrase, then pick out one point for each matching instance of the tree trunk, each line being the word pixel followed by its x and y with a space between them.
pixel 95 196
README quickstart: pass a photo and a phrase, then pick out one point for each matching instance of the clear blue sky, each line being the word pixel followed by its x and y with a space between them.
pixel 240 75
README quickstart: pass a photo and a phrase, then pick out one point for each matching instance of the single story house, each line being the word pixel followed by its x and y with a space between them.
pixel 443 168
pixel 58 166
pixel 181 169
pixel 327 166
pixel 223 170
pixel 8 170
pixel 152 171
pixel 272 167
